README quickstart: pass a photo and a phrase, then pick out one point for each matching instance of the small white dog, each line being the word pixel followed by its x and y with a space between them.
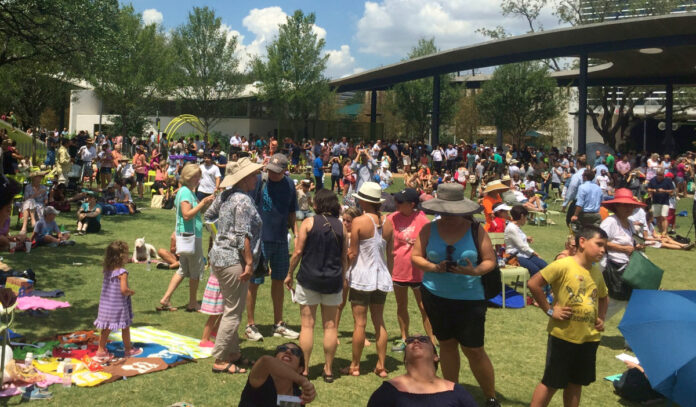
pixel 143 251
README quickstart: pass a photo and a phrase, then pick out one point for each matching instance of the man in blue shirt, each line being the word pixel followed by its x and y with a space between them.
pixel 660 189
pixel 572 190
pixel 276 201
pixel 318 168
pixel 589 199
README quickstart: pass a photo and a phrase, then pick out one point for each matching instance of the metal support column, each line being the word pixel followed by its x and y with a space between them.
pixel 669 113
pixel 499 138
pixel 582 105
pixel 373 115
pixel 435 116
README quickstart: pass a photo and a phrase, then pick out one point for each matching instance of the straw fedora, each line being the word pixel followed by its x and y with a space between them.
pixel 37 174
pixel 236 170
pixel 370 192
pixel 496 185
pixel 622 196
pixel 451 201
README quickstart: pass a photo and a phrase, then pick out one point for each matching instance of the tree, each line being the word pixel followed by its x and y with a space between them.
pixel 133 73
pixel 413 100
pixel 466 117
pixel 518 98
pixel 208 66
pixel 292 78
pixel 54 31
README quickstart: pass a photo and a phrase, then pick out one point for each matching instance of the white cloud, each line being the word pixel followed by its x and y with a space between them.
pixel 341 63
pixel 393 27
pixel 152 16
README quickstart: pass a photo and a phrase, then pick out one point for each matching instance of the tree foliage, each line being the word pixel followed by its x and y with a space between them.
pixel 518 98
pixel 292 78
pixel 208 65
pixel 55 31
pixel 467 119
pixel 133 72
pixel 413 100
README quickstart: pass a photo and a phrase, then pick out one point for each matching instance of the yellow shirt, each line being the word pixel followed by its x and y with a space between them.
pixel 576 287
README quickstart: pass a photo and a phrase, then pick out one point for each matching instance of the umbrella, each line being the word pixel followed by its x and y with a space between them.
pixel 660 327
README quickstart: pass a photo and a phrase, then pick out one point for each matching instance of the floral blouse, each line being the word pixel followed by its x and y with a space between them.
pixel 236 218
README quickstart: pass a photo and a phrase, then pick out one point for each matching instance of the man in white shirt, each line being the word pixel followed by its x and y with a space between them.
pixel 210 177
pixel 235 142
pixel 437 155
pixel 376 148
pixel 87 154
pixel 451 153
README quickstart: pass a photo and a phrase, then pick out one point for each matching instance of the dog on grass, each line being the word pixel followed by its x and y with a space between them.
pixel 143 251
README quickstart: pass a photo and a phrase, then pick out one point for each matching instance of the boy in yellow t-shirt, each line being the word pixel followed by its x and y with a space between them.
pixel 575 319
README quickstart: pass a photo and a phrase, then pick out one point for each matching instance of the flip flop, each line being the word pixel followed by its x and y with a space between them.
pixel 348 371
pixel 237 369
pixel 241 360
pixel 382 373
pixel 167 307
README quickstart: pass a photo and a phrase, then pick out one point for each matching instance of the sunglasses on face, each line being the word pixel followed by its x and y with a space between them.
pixel 421 339
pixel 284 348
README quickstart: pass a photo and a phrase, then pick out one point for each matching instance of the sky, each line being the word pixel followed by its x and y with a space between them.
pixel 360 35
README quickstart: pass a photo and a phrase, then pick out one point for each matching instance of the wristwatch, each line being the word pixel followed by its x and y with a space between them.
pixel 549 312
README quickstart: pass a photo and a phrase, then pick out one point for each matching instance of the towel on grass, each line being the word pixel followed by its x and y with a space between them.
pixel 175 343
pixel 35 303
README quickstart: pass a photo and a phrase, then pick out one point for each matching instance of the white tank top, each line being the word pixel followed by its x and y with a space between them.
pixel 370 272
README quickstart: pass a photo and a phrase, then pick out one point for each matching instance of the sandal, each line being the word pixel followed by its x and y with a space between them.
pixel 381 372
pixel 241 360
pixel 134 352
pixel 349 371
pixel 328 378
pixel 227 370
pixel 105 358
pixel 166 307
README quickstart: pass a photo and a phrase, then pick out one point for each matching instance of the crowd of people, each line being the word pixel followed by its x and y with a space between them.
pixel 347 250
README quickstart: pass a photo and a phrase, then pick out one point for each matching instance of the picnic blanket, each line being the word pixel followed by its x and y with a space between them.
pixel 35 303
pixel 175 343
pixel 16 388
pixel 150 350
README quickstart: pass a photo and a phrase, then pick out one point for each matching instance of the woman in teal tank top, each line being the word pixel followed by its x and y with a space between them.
pixel 453 294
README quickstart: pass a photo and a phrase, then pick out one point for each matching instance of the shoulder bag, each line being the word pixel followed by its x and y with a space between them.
pixel 492 281
pixel 186 242
pixel 642 273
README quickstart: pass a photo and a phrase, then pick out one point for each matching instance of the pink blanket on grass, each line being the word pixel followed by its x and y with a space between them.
pixel 15 388
pixel 27 303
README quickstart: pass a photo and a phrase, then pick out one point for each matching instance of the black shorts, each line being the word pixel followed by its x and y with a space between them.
pixel 462 320
pixel 568 362
pixel 139 177
pixel 555 185
pixel 367 297
pixel 408 284
pixel 105 170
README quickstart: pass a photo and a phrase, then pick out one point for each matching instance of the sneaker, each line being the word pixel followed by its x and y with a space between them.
pixel 206 344
pixel 35 393
pixel 399 346
pixel 252 333
pixel 67 243
pixel 282 330
pixel 492 402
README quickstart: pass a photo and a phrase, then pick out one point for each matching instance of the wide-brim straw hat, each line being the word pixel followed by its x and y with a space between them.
pixel 237 170
pixel 496 185
pixel 451 201
pixel 622 196
pixel 37 174
pixel 369 192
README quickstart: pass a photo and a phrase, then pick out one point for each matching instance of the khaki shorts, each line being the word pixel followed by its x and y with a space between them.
pixel 660 210
pixel 367 297
pixel 192 265
pixel 305 296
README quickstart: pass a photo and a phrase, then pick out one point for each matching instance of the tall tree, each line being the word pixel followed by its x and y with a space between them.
pixel 466 118
pixel 133 72
pixel 54 31
pixel 518 98
pixel 292 77
pixel 414 99
pixel 208 64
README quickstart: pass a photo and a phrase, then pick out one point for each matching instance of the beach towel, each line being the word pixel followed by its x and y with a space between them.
pixel 150 350
pixel 14 389
pixel 175 343
pixel 36 303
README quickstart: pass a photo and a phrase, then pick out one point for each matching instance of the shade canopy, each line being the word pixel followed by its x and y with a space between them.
pixel 639 51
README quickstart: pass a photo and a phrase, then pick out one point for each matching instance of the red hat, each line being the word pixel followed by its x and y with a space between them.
pixel 622 196
pixel 669 175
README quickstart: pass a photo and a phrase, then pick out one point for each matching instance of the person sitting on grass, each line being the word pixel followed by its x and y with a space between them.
pixel 656 240
pixel 169 256
pixel 576 318
pixel 6 238
pixel 89 215
pixel 123 196
pixel 276 376
pixel 35 197
pixel 420 386
pixel 47 232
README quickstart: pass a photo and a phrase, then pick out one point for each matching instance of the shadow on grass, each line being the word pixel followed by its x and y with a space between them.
pixel 616 342
pixel 79 316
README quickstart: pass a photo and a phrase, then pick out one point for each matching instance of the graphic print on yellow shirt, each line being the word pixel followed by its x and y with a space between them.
pixel 578 288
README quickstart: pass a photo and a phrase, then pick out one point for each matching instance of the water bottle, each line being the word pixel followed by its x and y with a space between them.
pixel 148 267
pixel 67 374
pixel 29 359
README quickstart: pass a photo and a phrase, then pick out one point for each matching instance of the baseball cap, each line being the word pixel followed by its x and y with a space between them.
pixel 500 206
pixel 49 210
pixel 407 195
pixel 278 163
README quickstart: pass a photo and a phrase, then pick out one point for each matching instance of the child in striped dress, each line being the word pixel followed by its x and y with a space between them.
pixel 212 305
pixel 115 309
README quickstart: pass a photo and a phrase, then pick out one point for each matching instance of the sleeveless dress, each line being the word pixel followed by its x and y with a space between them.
pixel 370 272
pixel 115 309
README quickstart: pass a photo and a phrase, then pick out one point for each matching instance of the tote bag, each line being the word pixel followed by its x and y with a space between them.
pixel 493 280
pixel 186 242
pixel 641 273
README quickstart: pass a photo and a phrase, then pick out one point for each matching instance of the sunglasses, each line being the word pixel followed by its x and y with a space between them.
pixel 421 339
pixel 449 250
pixel 284 348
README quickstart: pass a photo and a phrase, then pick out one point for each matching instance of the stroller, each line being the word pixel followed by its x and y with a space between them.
pixel 75 178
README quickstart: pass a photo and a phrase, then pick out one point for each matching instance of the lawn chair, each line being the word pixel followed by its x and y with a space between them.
pixel 150 181
pixel 509 272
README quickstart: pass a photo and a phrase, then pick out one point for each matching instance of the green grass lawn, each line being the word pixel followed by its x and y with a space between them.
pixel 515 339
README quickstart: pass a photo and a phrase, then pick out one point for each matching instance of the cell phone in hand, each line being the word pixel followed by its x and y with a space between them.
pixel 289 401
pixel 450 266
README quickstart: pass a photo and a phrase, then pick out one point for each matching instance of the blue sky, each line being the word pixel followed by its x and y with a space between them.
pixel 359 35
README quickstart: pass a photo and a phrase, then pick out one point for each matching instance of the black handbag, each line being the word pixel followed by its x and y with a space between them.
pixel 492 281
pixel 613 278
pixel 261 269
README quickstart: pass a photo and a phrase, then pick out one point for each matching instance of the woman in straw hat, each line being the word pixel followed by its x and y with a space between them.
pixel 370 274
pixel 35 197
pixel 491 197
pixel 452 290
pixel 234 257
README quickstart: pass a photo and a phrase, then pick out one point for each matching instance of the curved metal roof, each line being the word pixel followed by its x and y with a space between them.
pixel 618 43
